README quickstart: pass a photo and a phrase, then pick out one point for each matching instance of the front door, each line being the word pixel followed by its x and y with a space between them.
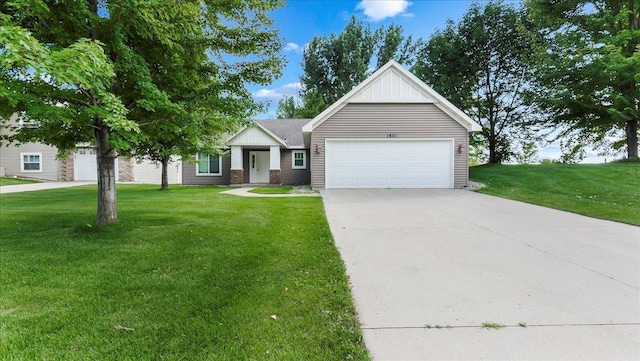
pixel 258 167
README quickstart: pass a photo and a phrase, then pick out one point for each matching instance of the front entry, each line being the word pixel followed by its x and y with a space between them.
pixel 258 167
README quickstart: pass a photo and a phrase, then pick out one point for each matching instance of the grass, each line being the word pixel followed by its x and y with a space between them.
pixel 492 325
pixel 186 274
pixel 8 181
pixel 607 191
pixel 272 190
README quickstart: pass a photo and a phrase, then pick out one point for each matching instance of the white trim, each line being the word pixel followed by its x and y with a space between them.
pixel 259 126
pixel 198 174
pixel 274 157
pixel 236 157
pixel 40 163
pixel 453 156
pixel 293 159
pixel 438 100
pixel 254 163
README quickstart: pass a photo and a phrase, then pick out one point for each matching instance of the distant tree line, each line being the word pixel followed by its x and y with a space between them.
pixel 545 70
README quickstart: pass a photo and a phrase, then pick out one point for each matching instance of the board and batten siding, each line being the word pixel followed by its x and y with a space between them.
pixel 377 121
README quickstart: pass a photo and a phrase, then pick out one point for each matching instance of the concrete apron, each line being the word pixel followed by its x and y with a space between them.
pixel 429 267
pixel 31 187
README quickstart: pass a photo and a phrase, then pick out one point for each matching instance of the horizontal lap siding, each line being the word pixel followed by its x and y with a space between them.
pixel 189 174
pixel 376 121
pixel 293 176
pixel 10 160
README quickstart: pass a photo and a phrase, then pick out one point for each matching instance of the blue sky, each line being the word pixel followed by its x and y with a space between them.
pixel 300 20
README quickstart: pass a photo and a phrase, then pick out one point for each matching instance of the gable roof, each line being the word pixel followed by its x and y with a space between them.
pixel 286 132
pixel 392 83
pixel 257 135
pixel 289 131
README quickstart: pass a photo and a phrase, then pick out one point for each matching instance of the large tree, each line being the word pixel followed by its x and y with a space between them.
pixel 588 72
pixel 482 65
pixel 332 65
pixel 206 92
pixel 140 40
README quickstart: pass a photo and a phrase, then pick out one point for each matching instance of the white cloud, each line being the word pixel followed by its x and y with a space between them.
pixel 377 10
pixel 278 93
pixel 292 47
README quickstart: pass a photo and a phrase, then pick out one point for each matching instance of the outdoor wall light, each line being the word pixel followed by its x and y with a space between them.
pixel 316 148
pixel 461 146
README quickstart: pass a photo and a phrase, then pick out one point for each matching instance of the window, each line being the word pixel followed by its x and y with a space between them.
pixel 208 164
pixel 31 162
pixel 299 159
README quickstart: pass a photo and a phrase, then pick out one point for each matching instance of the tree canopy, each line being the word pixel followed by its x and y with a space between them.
pixel 117 74
pixel 588 72
pixel 482 64
pixel 332 65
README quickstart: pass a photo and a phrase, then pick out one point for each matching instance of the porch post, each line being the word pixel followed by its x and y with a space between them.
pixel 274 164
pixel 237 172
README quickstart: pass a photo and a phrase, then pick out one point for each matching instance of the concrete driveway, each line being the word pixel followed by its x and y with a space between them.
pixel 429 267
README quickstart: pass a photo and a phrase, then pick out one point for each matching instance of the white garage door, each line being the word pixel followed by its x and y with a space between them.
pixel 389 163
pixel 85 167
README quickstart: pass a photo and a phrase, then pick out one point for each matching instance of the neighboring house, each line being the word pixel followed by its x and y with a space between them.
pixel 391 131
pixel 38 161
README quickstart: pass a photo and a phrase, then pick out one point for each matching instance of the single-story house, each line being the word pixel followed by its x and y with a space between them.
pixel 390 131
pixel 39 161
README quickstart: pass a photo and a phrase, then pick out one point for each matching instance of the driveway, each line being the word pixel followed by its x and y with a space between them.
pixel 429 267
pixel 30 187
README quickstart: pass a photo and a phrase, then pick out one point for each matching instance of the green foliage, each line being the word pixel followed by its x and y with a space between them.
pixel 272 190
pixel 527 153
pixel 312 105
pixel 492 325
pixel 201 78
pixel 179 277
pixel 335 64
pixel 62 88
pixel 587 72
pixel 155 79
pixel 607 191
pixel 482 65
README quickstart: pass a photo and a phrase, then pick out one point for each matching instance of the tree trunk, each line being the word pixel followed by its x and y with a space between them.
pixel 492 150
pixel 106 157
pixel 632 138
pixel 165 179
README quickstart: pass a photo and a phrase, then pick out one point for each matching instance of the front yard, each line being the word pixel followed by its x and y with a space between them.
pixel 186 274
pixel 608 191
pixel 8 181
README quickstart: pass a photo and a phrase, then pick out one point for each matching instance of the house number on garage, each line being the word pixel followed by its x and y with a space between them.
pixel 392 135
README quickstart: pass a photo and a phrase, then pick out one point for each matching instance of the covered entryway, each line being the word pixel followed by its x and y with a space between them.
pixel 259 167
pixel 389 163
pixel 85 166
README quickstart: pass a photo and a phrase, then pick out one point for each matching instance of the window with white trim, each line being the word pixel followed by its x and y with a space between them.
pixel 298 159
pixel 208 164
pixel 31 162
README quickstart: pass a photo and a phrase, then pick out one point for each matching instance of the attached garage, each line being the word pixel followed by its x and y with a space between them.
pixel 391 131
pixel 389 163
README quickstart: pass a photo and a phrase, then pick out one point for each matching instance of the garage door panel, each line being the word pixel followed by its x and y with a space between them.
pixel 389 163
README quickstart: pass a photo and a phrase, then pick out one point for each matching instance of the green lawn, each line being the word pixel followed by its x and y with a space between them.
pixel 6 181
pixel 272 190
pixel 608 191
pixel 187 274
